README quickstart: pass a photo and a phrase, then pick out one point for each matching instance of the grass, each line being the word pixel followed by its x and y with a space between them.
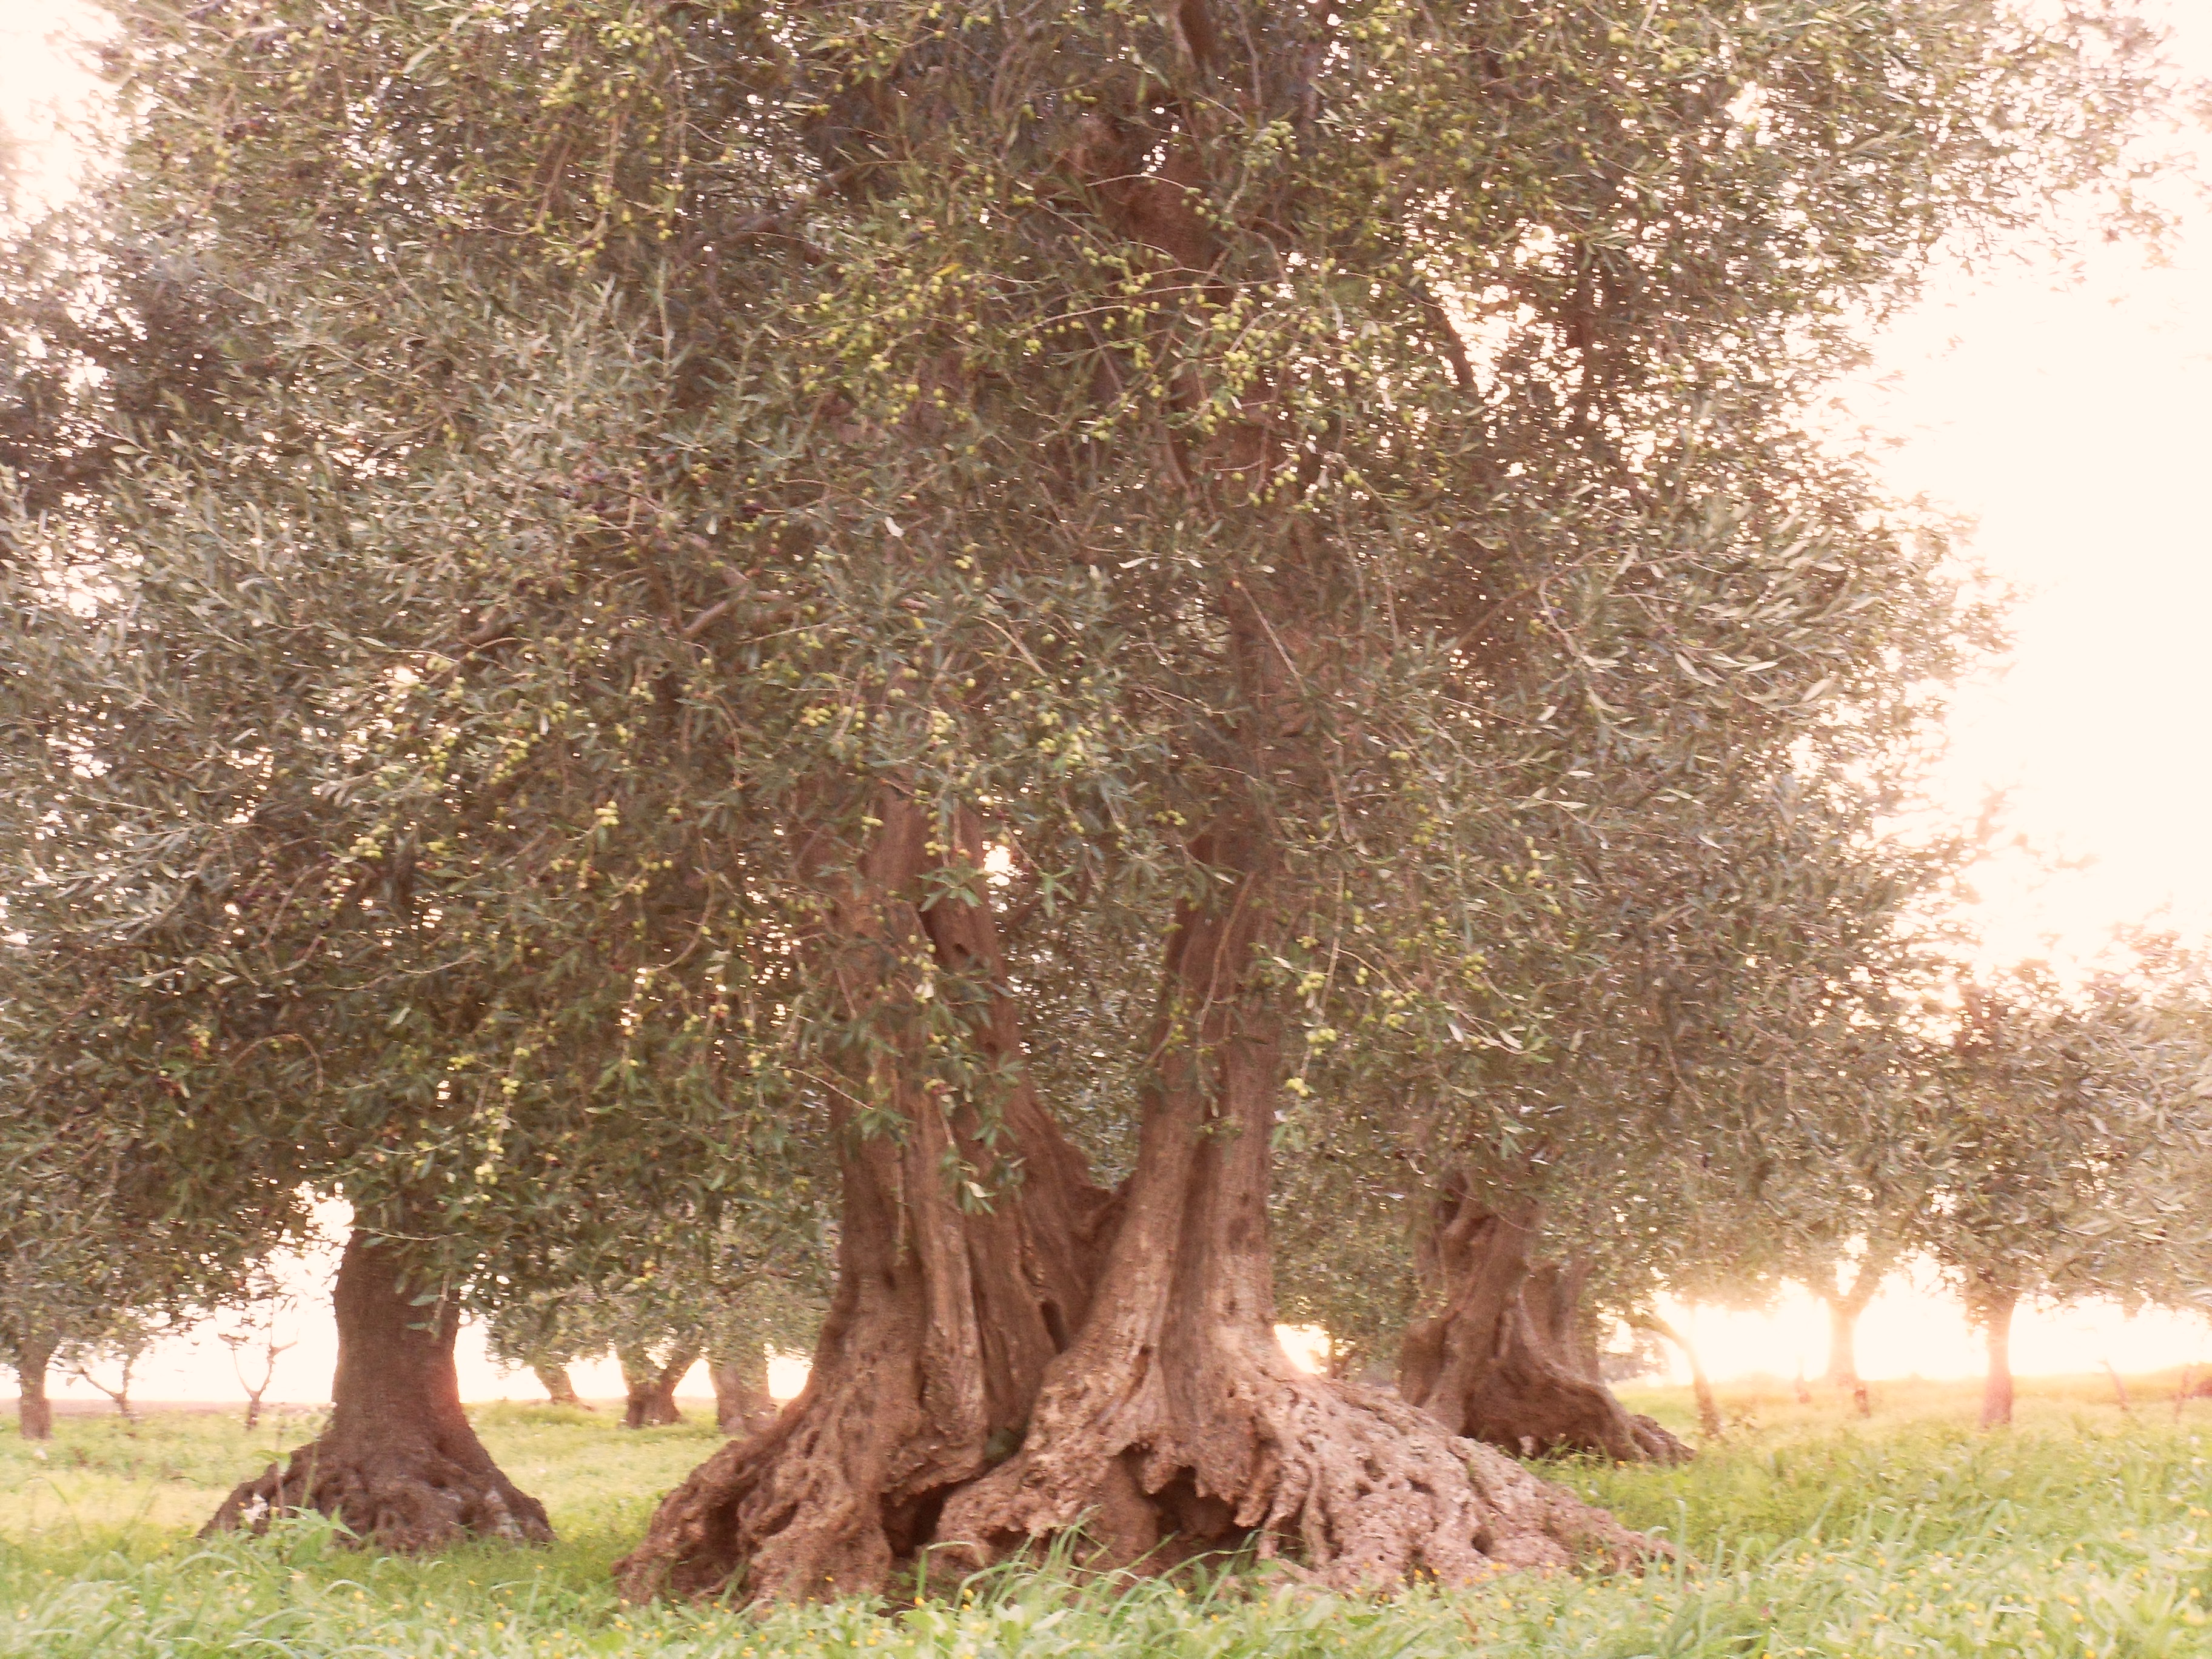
pixel 2078 1532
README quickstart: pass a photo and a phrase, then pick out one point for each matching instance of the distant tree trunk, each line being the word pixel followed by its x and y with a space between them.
pixel 742 1401
pixel 1508 1359
pixel 1846 1304
pixel 990 1377
pixel 652 1386
pixel 34 1412
pixel 560 1388
pixel 399 1464
pixel 1995 1311
pixel 1709 1408
pixel 1843 1357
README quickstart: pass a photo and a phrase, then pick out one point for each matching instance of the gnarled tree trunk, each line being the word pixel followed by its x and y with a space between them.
pixel 1994 1310
pixel 652 1385
pixel 988 1378
pixel 34 1412
pixel 1175 1425
pixel 1506 1359
pixel 398 1464
pixel 742 1401
pixel 560 1388
pixel 945 1314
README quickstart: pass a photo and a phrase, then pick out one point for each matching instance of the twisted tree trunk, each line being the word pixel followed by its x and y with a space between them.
pixel 945 1313
pixel 990 1378
pixel 1507 1360
pixel 652 1385
pixel 34 1412
pixel 398 1464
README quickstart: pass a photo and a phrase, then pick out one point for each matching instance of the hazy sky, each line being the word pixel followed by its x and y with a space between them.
pixel 2070 415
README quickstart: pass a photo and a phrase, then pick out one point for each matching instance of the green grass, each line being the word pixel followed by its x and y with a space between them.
pixel 2079 1532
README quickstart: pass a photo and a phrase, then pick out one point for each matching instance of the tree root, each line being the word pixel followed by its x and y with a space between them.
pixel 1352 1489
pixel 407 1501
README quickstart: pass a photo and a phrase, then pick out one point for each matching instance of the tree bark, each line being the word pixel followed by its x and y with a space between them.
pixel 1506 1359
pixel 945 1313
pixel 560 1388
pixel 992 1374
pixel 399 1464
pixel 742 1404
pixel 651 1386
pixel 34 1412
pixel 1997 1311
pixel 1175 1425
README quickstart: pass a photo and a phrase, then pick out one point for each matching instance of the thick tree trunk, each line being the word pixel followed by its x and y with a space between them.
pixel 1505 1360
pixel 34 1412
pixel 742 1404
pixel 651 1386
pixel 399 1464
pixel 560 1388
pixel 1995 1312
pixel 992 1375
pixel 945 1314
pixel 1175 1425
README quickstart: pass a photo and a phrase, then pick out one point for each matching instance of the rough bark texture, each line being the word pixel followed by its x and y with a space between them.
pixel 1175 1425
pixel 34 1412
pixel 1996 1313
pixel 742 1401
pixel 990 1378
pixel 560 1388
pixel 1508 1359
pixel 398 1464
pixel 652 1386
pixel 945 1317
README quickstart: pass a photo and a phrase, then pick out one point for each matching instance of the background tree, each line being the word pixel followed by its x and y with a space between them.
pixel 2069 1120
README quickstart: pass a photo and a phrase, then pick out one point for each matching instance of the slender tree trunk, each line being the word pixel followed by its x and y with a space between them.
pixel 1997 1311
pixel 1709 1407
pixel 992 1375
pixel 1844 1311
pixel 34 1412
pixel 560 1388
pixel 742 1404
pixel 399 1464
pixel 1843 1330
pixel 1505 1360
pixel 652 1388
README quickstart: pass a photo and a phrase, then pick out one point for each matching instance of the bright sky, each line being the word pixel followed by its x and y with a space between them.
pixel 2070 415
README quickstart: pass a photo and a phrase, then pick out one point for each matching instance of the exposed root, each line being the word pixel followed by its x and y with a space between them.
pixel 1349 1487
pixel 826 1501
pixel 409 1502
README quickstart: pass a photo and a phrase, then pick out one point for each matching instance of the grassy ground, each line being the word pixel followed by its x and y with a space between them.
pixel 2078 1532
